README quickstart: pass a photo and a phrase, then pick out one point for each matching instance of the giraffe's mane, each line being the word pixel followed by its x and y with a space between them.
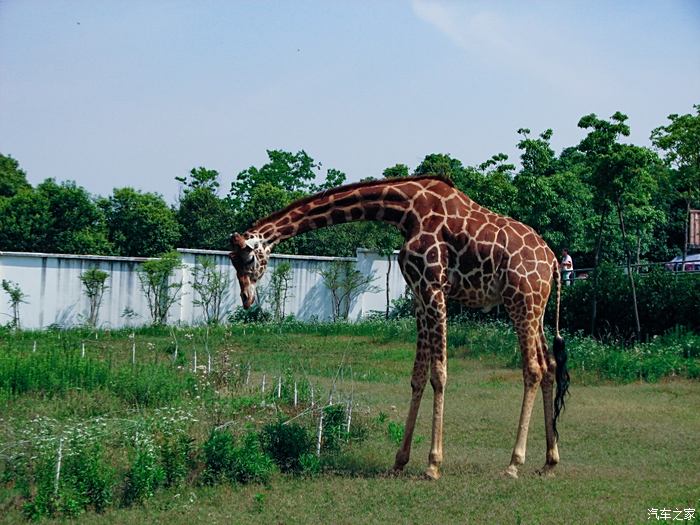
pixel 349 187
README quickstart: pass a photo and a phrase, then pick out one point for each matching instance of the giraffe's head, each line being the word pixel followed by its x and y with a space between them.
pixel 249 256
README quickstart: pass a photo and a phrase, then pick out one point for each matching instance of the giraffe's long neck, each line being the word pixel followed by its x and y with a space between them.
pixel 384 201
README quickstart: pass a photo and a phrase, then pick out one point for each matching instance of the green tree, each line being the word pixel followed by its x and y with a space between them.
pixel 621 175
pixel 212 286
pixel 77 224
pixel 12 178
pixel 345 283
pixel 396 171
pixel 294 173
pixel 280 282
pixel 680 142
pixel 538 158
pixel 155 277
pixel 498 192
pixel 139 224
pixel 440 164
pixel 206 220
pixel 551 195
pixel 15 297
pixel 286 177
pixel 25 219
pixel 94 284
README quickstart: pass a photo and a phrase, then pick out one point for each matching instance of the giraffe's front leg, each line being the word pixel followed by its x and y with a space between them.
pixel 438 379
pixel 418 380
pixel 436 316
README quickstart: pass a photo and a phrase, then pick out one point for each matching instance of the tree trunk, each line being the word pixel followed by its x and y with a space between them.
pixel 637 327
pixel 596 258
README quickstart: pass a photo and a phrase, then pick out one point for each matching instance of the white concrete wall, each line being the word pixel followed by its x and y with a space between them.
pixel 55 296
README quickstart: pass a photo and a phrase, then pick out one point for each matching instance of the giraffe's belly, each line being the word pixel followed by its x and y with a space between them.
pixel 476 289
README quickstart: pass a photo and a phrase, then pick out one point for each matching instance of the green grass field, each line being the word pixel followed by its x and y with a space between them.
pixel 626 445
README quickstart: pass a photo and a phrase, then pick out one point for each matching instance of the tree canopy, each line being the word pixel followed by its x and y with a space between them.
pixel 571 198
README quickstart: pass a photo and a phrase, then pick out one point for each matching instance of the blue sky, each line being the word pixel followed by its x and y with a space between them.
pixel 134 93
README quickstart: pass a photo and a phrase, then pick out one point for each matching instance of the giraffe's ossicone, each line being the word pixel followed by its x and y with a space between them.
pixel 454 249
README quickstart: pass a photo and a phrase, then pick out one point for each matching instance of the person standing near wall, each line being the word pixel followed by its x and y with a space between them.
pixel 567 267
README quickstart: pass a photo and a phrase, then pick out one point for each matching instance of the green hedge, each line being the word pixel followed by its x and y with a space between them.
pixel 665 300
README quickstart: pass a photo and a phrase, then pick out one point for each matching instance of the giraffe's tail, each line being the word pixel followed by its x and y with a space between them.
pixel 560 357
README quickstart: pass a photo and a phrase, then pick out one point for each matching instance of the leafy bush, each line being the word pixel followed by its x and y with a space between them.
pixel 84 480
pixel 244 463
pixel 145 474
pixel 286 444
pixel 310 464
pixel 334 429
pixel 175 456
pixel 665 300
pixel 254 314
pixel 403 307
pixel 674 354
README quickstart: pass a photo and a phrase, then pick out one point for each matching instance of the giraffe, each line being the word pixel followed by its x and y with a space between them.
pixel 456 249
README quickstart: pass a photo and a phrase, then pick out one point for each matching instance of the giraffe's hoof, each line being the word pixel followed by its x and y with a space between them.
pixel 546 472
pixel 511 472
pixel 398 467
pixel 432 473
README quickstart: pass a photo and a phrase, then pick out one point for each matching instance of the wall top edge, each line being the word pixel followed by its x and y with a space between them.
pixel 116 258
pixel 196 251
pixel 76 256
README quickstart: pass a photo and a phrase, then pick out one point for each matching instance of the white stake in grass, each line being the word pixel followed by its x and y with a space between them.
pixel 295 393
pixel 194 361
pixel 279 387
pixel 319 434
pixel 34 347
pixel 82 350
pixel 58 467
pixel 263 386
pixel 133 352
pixel 247 375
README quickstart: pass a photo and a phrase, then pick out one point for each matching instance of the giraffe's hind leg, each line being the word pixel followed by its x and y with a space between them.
pixel 548 379
pixel 532 375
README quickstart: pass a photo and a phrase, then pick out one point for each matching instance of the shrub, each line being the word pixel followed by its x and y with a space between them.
pixel 334 429
pixel 16 296
pixel 310 464
pixel 145 474
pixel 403 307
pixel 84 480
pixel 244 463
pixel 254 314
pixel 286 444
pixel 212 286
pixel 175 456
pixel 665 300
pixel 94 288
pixel 154 277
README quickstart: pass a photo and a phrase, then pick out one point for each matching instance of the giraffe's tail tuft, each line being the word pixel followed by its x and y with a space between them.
pixel 562 377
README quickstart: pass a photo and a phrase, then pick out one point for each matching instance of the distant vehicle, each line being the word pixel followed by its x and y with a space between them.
pixel 692 263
